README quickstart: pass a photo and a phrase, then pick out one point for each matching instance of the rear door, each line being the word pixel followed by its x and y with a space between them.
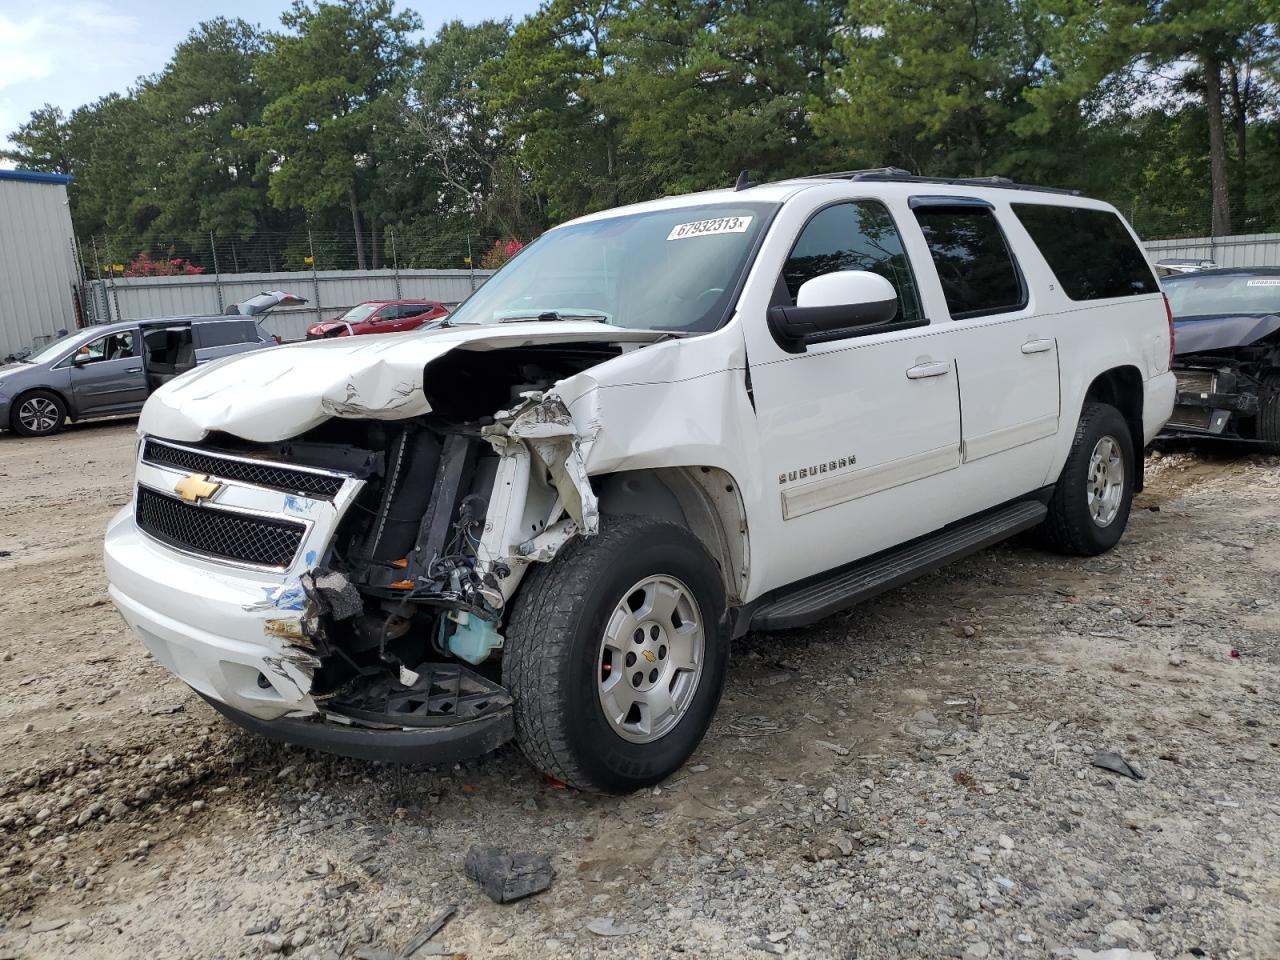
pixel 106 375
pixel 1006 355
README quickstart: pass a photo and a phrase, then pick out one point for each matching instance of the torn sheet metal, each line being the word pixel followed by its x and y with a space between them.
pixel 268 395
pixel 546 426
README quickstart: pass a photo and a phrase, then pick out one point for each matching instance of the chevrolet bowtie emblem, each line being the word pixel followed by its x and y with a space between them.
pixel 195 488
pixel 648 655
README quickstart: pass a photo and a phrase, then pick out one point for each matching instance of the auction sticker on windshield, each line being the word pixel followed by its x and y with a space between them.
pixel 706 228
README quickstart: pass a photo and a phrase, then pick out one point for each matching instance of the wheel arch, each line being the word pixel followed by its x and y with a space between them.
pixel 1121 387
pixel 705 500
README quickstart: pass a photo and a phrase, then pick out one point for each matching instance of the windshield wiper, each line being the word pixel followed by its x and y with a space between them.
pixel 550 316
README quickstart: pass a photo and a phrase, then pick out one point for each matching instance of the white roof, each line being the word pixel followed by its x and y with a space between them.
pixel 783 190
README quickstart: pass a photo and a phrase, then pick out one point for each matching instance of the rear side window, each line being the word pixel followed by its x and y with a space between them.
pixel 1090 252
pixel 224 333
pixel 978 273
pixel 853 236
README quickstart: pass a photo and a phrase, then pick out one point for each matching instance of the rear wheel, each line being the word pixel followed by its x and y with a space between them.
pixel 1090 505
pixel 616 654
pixel 38 414
pixel 1268 428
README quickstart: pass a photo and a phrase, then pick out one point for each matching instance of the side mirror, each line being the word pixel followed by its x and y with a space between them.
pixel 81 357
pixel 829 305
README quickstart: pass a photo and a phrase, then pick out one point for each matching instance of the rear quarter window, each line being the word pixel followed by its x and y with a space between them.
pixel 224 333
pixel 1090 252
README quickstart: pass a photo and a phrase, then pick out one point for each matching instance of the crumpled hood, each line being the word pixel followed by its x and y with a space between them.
pixel 1198 334
pixel 279 393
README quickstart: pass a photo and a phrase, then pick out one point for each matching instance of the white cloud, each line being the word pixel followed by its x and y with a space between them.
pixel 68 52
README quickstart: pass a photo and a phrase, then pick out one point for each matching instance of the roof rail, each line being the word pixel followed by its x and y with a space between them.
pixel 896 175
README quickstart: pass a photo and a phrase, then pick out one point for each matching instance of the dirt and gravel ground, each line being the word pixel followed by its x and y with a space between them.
pixel 912 779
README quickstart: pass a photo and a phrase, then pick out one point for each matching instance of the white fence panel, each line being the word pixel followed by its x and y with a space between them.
pixel 328 293
pixel 1245 250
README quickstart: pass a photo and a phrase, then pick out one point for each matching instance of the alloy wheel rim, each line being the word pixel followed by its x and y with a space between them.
pixel 650 659
pixel 38 414
pixel 1105 481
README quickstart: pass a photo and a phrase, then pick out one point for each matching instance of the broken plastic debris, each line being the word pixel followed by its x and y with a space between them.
pixel 504 876
pixel 608 927
pixel 1117 764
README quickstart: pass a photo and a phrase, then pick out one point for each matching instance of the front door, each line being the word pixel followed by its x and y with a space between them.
pixel 107 375
pixel 861 435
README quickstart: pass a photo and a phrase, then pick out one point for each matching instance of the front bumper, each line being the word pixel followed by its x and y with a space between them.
pixel 444 744
pixel 213 626
pixel 1208 401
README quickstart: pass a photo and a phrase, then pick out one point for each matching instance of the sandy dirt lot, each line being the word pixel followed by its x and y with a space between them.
pixel 911 779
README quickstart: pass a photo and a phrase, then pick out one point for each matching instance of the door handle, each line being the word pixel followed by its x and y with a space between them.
pixel 920 371
pixel 1037 346
pixel 134 370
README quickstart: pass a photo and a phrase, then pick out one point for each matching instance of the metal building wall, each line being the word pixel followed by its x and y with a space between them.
pixel 328 293
pixel 37 259
pixel 1244 250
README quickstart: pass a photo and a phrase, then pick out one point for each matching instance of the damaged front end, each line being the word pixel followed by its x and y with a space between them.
pixel 371 560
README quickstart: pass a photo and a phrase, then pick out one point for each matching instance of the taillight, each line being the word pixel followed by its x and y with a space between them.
pixel 280 342
pixel 1168 312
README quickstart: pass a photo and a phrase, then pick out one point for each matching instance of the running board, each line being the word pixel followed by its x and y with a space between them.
pixel 808 603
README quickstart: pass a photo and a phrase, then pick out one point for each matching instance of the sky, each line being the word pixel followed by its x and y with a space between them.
pixel 71 52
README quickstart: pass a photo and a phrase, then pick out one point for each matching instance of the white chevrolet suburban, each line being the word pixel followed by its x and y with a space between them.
pixel 655 429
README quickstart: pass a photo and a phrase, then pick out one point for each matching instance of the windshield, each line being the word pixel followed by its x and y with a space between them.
pixel 1200 295
pixel 55 349
pixel 666 270
pixel 356 314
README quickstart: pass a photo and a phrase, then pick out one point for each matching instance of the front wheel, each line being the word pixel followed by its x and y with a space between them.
pixel 38 414
pixel 1090 505
pixel 616 654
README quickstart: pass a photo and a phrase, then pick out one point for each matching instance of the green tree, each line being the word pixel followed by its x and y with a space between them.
pixel 1206 51
pixel 464 138
pixel 42 142
pixel 707 89
pixel 209 176
pixel 330 83
pixel 935 86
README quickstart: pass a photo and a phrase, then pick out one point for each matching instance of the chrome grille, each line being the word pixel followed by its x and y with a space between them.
pixel 320 486
pixel 220 534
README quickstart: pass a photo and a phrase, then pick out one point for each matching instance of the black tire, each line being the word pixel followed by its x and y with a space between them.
pixel 1268 423
pixel 42 398
pixel 1070 526
pixel 551 658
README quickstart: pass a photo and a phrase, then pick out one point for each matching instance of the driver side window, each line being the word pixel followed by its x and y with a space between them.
pixel 852 236
pixel 114 346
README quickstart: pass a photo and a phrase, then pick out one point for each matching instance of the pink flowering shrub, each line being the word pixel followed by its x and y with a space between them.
pixel 500 253
pixel 143 266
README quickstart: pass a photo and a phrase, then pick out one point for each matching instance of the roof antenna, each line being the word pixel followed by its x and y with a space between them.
pixel 744 181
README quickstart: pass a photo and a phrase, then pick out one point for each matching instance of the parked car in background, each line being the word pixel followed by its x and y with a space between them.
pixel 379 316
pixel 1227 354
pixel 1174 266
pixel 112 368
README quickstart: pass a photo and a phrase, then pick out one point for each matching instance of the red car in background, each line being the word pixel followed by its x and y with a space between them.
pixel 379 316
